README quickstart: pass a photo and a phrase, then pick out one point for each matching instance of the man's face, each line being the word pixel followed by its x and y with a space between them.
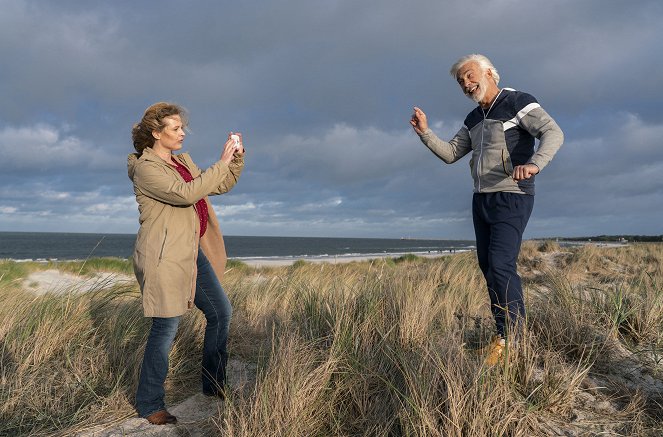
pixel 473 80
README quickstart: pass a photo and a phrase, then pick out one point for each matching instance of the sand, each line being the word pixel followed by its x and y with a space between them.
pixel 55 281
pixel 193 414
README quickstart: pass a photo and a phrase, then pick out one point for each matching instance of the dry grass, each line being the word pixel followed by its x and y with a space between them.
pixel 67 360
pixel 375 348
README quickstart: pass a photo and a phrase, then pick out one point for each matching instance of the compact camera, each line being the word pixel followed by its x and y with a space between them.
pixel 237 143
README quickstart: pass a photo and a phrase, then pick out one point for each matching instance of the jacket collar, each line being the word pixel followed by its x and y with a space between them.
pixel 150 155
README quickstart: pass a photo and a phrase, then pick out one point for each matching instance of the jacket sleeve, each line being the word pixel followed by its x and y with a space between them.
pixel 542 126
pixel 235 170
pixel 165 185
pixel 459 146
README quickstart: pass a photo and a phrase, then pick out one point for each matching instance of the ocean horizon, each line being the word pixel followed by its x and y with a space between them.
pixel 44 246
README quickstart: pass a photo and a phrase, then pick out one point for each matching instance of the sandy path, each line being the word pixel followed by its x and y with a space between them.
pixel 55 281
pixel 194 415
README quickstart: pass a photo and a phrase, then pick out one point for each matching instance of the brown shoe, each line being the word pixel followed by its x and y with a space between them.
pixel 494 350
pixel 161 417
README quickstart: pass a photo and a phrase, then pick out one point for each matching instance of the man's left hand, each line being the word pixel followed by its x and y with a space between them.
pixel 521 172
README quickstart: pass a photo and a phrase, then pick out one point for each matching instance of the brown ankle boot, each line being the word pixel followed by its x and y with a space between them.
pixel 161 417
pixel 494 350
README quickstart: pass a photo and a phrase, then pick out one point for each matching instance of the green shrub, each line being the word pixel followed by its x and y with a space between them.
pixel 299 264
pixel 408 257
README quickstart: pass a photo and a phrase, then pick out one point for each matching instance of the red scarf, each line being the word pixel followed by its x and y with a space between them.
pixel 201 205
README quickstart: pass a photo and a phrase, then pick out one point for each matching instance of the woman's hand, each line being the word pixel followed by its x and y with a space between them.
pixel 239 151
pixel 231 148
pixel 419 121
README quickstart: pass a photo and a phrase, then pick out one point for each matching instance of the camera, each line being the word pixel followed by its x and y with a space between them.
pixel 236 139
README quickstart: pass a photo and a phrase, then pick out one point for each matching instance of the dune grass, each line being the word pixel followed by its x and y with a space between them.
pixel 376 348
pixel 12 272
pixel 67 360
pixel 95 265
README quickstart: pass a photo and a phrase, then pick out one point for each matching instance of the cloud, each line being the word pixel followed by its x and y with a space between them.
pixel 34 207
pixel 615 156
pixel 323 94
pixel 604 182
pixel 42 147
pixel 349 155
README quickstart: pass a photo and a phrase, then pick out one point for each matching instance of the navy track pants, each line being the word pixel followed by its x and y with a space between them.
pixel 499 222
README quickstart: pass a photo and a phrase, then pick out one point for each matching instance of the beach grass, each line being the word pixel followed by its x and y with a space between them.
pixel 375 348
pixel 95 265
pixel 11 272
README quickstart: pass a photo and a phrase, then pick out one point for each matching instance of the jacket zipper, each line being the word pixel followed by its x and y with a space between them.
pixel 195 260
pixel 483 125
pixel 192 296
pixel 195 254
pixel 504 166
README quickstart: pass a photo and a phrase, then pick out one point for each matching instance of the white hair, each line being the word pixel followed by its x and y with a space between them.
pixel 484 64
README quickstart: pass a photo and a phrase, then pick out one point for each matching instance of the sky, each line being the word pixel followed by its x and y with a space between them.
pixel 322 92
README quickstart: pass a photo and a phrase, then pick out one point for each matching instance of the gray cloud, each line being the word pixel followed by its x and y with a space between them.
pixel 43 147
pixel 322 93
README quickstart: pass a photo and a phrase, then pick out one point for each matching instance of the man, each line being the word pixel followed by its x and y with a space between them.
pixel 500 133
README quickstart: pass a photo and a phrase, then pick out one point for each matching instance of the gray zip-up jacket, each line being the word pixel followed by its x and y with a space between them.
pixel 501 138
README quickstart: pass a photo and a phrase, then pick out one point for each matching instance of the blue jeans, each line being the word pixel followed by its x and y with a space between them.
pixel 213 302
pixel 499 222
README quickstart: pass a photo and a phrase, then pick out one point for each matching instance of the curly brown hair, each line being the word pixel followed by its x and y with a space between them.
pixel 152 121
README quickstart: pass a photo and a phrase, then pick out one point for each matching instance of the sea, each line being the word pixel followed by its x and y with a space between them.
pixel 45 246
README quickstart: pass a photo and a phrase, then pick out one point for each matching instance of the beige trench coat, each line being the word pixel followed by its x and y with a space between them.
pixel 167 242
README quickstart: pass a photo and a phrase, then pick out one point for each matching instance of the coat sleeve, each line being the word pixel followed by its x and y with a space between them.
pixel 235 170
pixel 165 185
pixel 459 146
pixel 542 126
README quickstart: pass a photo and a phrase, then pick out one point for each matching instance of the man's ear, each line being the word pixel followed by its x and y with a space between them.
pixel 489 73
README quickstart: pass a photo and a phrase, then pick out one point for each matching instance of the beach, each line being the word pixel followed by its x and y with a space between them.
pixel 335 259
pixel 57 281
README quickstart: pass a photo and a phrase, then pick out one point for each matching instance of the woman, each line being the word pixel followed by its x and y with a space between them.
pixel 179 256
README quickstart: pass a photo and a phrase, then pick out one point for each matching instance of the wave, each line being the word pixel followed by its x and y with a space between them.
pixel 383 254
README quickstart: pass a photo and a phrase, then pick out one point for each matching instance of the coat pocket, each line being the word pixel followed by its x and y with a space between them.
pixel 163 245
pixel 507 165
pixel 474 162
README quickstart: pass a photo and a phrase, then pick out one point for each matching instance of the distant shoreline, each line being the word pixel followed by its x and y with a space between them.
pixel 42 247
pixel 285 260
pixel 269 261
pixel 339 259
pixel 279 261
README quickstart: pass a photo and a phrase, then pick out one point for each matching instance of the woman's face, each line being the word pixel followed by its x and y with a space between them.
pixel 172 135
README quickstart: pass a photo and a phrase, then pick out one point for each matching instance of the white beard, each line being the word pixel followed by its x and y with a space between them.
pixel 481 92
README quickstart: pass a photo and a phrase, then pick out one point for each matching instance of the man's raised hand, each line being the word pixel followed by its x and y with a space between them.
pixel 418 121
